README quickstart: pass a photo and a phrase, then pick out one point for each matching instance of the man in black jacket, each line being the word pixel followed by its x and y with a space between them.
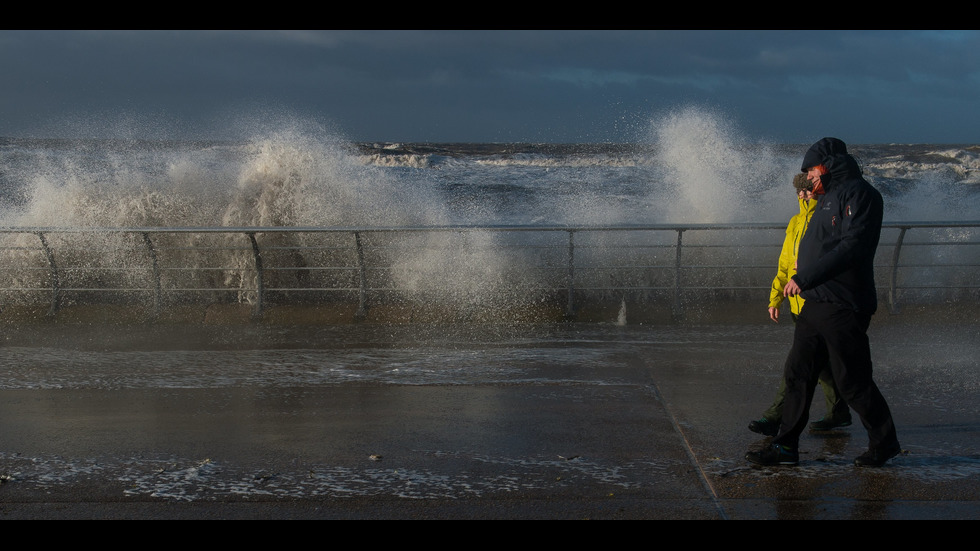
pixel 835 275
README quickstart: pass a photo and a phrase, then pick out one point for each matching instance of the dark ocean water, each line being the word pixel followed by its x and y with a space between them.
pixel 291 180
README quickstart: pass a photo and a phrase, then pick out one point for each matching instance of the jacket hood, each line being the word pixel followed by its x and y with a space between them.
pixel 832 154
pixel 820 152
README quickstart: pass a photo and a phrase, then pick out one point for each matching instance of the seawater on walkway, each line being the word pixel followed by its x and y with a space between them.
pixel 536 421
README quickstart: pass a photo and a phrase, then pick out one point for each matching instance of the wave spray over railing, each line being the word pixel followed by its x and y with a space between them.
pixel 290 222
pixel 484 273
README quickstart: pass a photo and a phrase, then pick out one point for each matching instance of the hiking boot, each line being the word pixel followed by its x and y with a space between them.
pixel 765 426
pixel 876 457
pixel 830 423
pixel 774 454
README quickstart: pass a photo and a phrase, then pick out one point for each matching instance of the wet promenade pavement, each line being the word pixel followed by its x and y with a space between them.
pixel 550 421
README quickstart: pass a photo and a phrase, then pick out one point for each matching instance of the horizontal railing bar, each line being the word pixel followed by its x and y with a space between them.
pixel 432 290
pixel 457 228
pixel 591 267
pixel 380 229
pixel 933 265
pixel 502 246
pixel 941 244
pixel 317 268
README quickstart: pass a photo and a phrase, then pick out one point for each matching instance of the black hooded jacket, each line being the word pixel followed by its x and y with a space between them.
pixel 836 255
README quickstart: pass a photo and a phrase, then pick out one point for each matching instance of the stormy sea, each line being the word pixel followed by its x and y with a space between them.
pixel 275 218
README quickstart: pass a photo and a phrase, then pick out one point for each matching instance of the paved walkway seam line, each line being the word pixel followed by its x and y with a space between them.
pixel 690 453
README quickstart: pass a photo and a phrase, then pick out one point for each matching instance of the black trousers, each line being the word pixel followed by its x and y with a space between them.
pixel 825 331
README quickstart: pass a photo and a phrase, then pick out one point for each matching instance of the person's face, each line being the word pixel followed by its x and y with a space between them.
pixel 813 174
pixel 805 194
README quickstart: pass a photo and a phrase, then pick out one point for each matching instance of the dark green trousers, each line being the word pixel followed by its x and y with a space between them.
pixel 836 406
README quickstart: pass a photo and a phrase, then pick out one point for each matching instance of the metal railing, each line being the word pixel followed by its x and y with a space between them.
pixel 573 263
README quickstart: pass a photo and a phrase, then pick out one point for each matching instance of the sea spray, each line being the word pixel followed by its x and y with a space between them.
pixel 694 166
pixel 713 174
pixel 285 180
pixel 301 181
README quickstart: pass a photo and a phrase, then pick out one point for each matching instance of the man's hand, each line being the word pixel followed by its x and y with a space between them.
pixel 791 289
pixel 774 314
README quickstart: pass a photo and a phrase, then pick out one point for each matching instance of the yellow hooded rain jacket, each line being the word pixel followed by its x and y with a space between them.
pixel 787 257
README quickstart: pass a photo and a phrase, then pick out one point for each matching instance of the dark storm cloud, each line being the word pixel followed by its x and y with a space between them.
pixel 872 86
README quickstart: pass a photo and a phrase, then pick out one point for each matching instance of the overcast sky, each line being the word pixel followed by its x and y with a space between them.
pixel 492 86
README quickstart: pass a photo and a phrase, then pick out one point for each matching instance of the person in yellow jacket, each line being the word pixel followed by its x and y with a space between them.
pixel 838 414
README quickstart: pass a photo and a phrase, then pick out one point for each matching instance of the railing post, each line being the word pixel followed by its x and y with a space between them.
pixel 158 296
pixel 677 276
pixel 55 280
pixel 361 312
pixel 892 291
pixel 260 285
pixel 570 307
